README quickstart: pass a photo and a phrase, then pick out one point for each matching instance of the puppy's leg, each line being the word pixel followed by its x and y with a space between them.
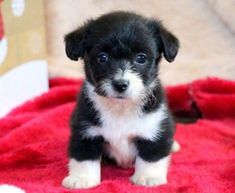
pixel 152 162
pixel 84 163
pixel 150 173
pixel 82 174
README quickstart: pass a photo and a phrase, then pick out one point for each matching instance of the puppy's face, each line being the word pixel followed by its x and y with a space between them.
pixel 121 52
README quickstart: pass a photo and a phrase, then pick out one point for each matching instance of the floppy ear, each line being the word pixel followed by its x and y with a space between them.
pixel 75 43
pixel 169 44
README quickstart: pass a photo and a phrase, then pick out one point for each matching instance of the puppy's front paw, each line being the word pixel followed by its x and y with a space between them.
pixel 82 174
pixel 79 182
pixel 146 180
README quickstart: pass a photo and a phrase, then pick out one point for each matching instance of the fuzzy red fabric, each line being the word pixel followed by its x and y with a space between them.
pixel 1 26
pixel 34 139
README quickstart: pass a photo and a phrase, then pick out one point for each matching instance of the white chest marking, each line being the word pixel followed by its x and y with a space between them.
pixel 121 122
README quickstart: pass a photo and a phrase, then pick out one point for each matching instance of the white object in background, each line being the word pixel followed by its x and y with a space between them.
pixel 5 188
pixel 21 84
pixel 18 7
pixel 3 49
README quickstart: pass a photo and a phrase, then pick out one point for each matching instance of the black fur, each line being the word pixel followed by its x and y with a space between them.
pixel 83 117
pixel 122 35
pixel 154 99
pixel 160 147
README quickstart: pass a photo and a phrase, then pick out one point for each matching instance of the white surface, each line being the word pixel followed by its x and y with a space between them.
pixel 22 83
pixel 5 188
pixel 3 49
pixel 18 7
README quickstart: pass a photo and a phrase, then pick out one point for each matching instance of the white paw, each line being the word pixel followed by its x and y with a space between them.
pixel 147 180
pixel 80 182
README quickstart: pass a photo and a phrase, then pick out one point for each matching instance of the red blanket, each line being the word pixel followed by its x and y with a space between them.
pixel 34 139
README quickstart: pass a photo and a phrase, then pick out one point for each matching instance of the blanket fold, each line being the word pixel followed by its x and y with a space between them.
pixel 34 139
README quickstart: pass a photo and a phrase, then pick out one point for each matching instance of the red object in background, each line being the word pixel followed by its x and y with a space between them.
pixel 34 139
pixel 1 24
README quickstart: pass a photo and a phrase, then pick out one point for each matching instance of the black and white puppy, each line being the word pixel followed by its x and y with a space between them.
pixel 121 111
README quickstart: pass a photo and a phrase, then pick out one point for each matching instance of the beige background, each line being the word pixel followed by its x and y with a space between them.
pixel 205 28
pixel 25 37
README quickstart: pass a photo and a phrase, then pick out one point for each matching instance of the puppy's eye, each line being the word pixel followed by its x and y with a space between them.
pixel 102 57
pixel 141 58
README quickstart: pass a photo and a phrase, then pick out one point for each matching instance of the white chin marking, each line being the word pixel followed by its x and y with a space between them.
pixel 84 174
pixel 150 173
pixel 136 87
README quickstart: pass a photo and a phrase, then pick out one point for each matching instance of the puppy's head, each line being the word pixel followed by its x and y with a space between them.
pixel 121 52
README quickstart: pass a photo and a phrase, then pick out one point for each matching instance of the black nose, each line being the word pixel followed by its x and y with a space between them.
pixel 120 85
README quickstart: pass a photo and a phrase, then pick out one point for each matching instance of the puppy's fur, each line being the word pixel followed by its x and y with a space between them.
pixel 121 111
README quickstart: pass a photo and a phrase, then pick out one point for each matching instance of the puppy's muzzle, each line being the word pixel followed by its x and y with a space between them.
pixel 120 85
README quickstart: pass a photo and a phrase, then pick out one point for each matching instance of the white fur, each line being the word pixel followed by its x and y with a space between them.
pixel 84 174
pixel 135 90
pixel 150 173
pixel 122 120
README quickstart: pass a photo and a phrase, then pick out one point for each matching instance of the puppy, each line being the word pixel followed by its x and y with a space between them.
pixel 121 112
